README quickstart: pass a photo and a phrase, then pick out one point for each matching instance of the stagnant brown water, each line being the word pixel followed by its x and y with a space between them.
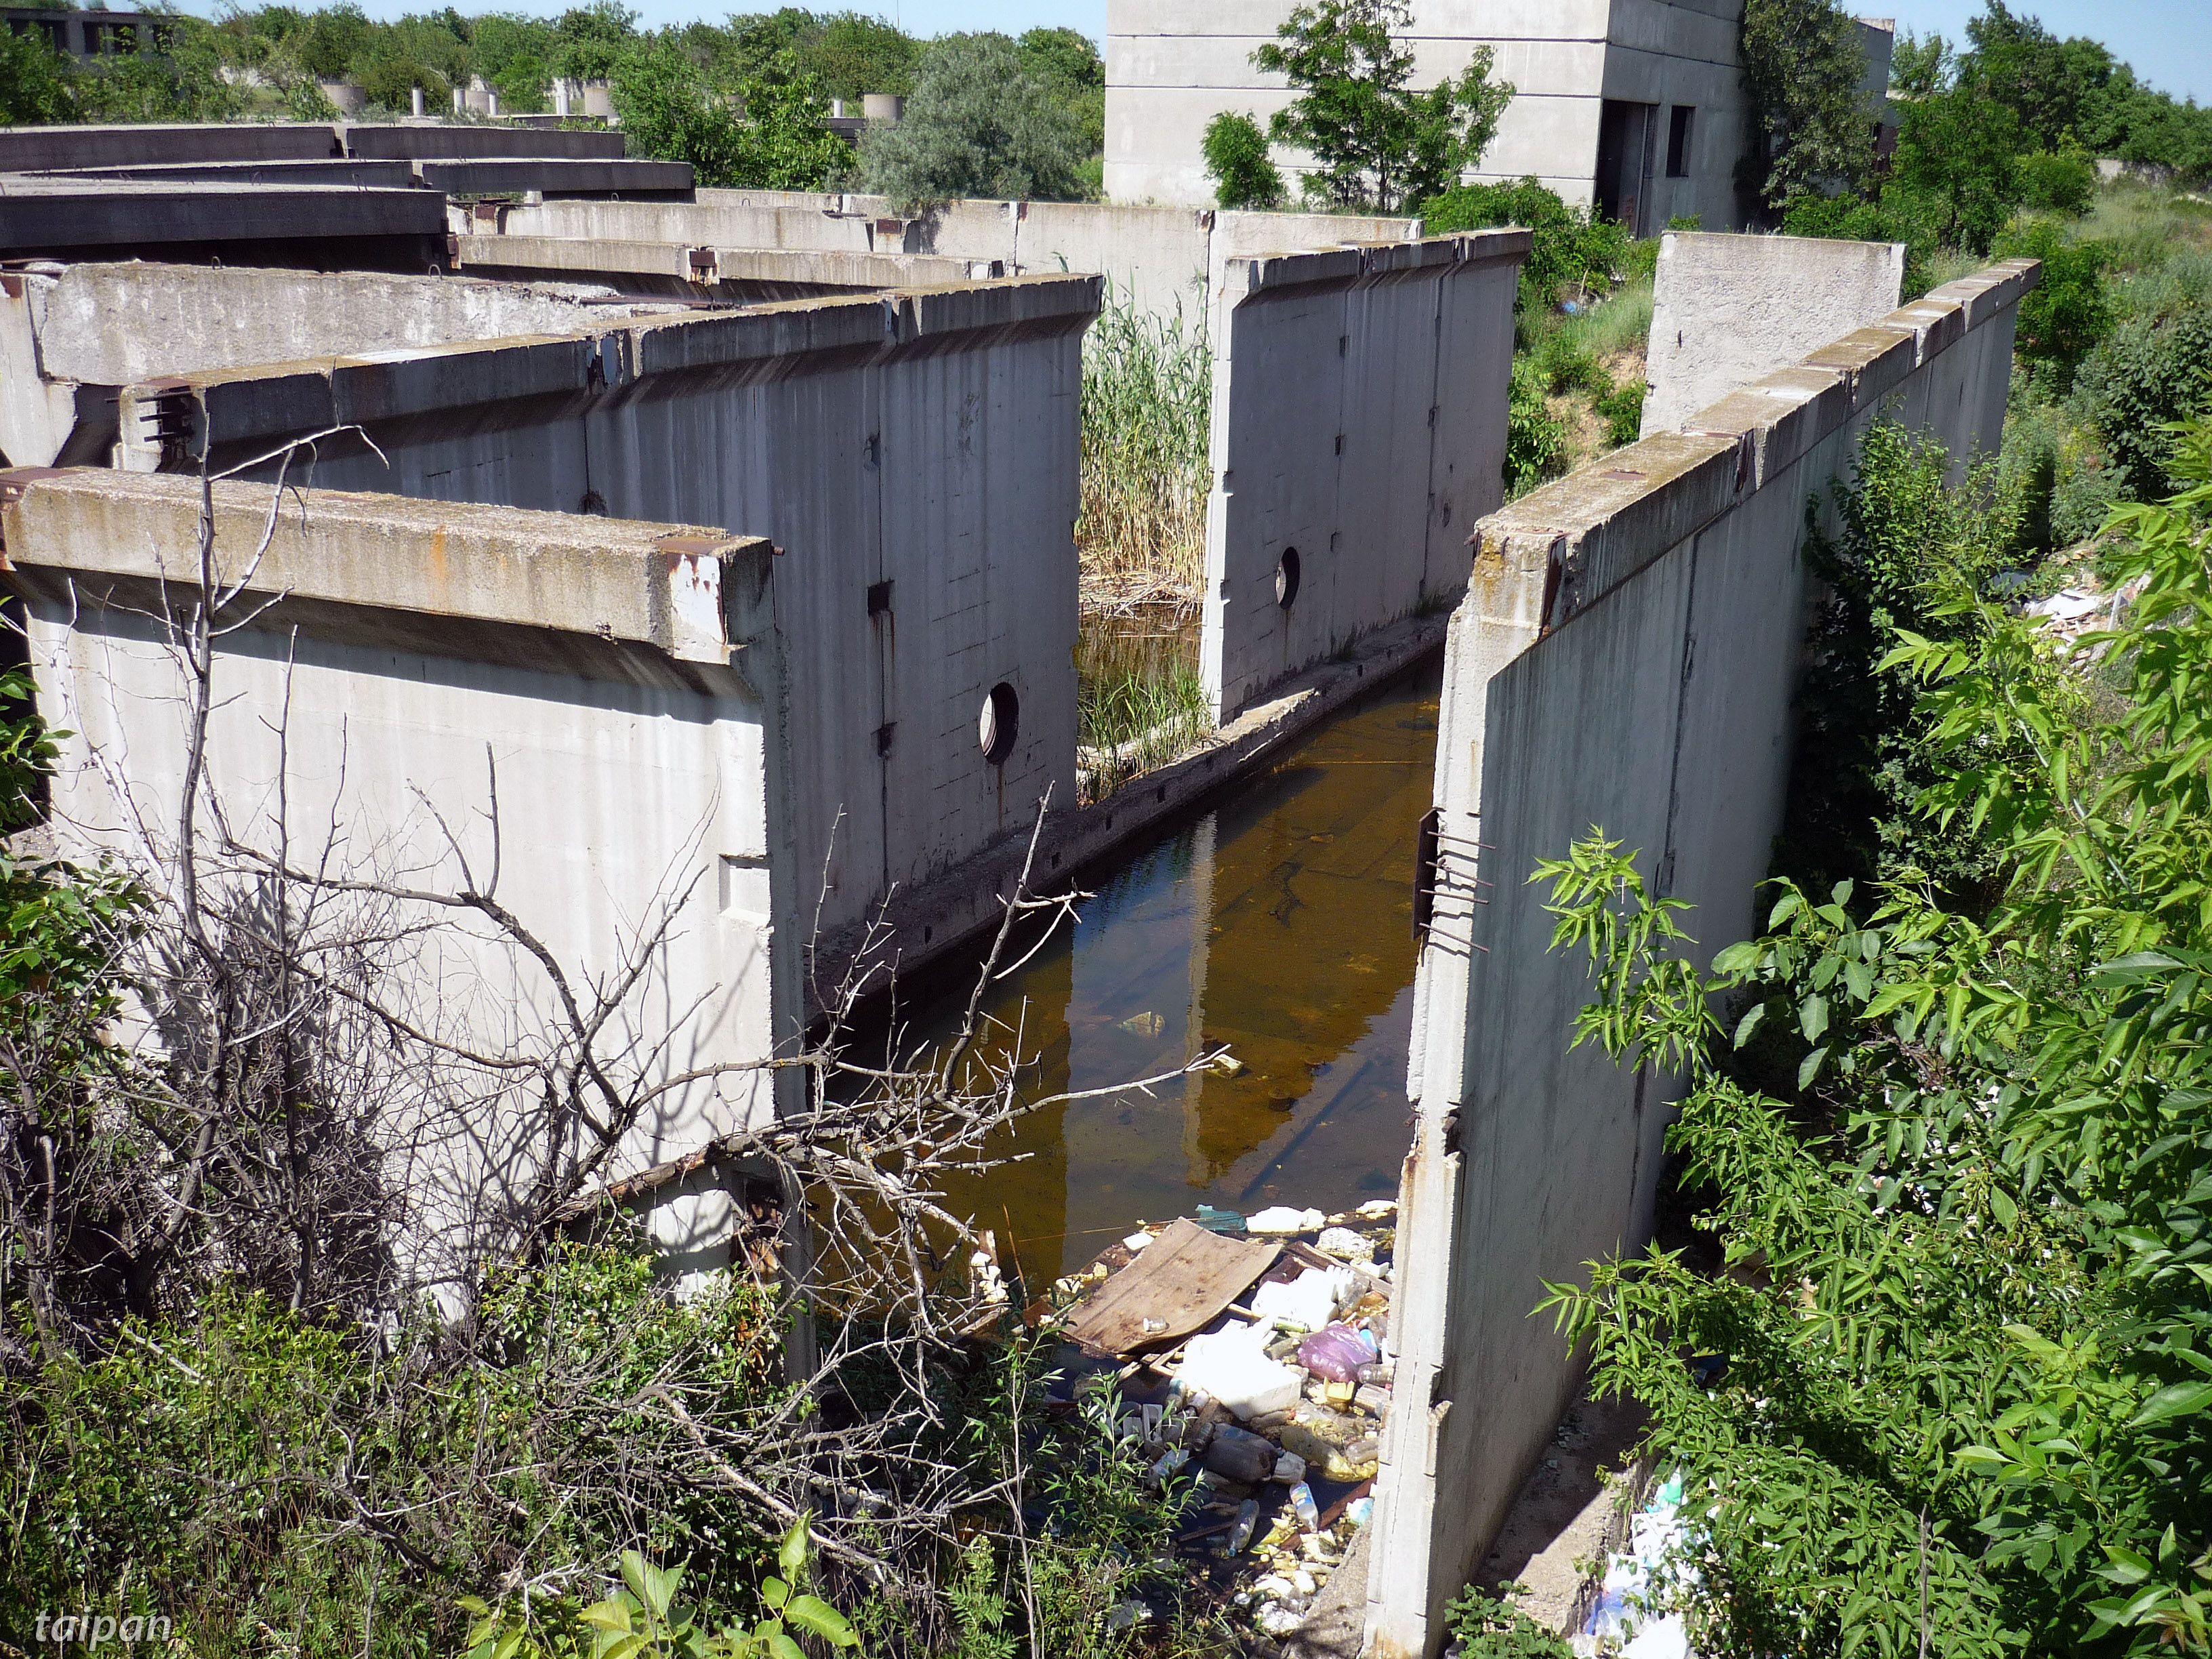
pixel 1279 923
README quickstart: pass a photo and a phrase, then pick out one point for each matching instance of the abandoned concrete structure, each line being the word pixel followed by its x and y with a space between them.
pixel 71 335
pixel 626 680
pixel 1634 107
pixel 1624 658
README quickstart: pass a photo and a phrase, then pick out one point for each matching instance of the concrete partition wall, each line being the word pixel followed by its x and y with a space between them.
pixel 1625 657
pixel 70 337
pixel 623 679
pixel 913 455
pixel 1166 261
pixel 1359 411
pixel 1728 309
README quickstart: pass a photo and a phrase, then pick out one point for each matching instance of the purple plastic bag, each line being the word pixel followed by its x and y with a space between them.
pixel 1335 1351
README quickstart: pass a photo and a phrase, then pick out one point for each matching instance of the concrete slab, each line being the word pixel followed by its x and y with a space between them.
pixel 33 149
pixel 557 176
pixel 438 140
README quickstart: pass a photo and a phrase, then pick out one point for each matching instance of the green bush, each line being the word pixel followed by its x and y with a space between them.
pixel 1622 410
pixel 978 123
pixel 34 82
pixel 2147 375
pixel 1569 245
pixel 1564 365
pixel 1237 159
pixel 779 142
pixel 2067 315
pixel 1535 442
pixel 389 80
pixel 1958 153
pixel 1487 1628
pixel 2064 183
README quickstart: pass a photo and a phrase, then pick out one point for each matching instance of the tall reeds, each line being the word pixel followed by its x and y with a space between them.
pixel 1147 391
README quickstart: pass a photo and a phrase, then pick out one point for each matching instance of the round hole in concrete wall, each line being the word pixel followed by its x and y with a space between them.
pixel 1287 578
pixel 997 725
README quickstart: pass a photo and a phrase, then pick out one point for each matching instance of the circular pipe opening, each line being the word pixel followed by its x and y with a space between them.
pixel 998 723
pixel 1287 578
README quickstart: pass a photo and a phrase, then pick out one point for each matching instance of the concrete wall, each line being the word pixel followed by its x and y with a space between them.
pixel 1625 657
pixel 680 269
pixel 1359 411
pixel 1166 261
pixel 1171 67
pixel 624 678
pixel 69 338
pixel 918 449
pixel 1729 310
pixel 38 149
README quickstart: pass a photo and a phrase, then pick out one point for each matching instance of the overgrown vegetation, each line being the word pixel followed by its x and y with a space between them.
pixel 743 102
pixel 1147 403
pixel 1957 1380
pixel 1129 724
pixel 262 1384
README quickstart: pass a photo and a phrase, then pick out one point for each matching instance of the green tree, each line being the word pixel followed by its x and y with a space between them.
pixel 1065 62
pixel 2055 89
pixel 1919 65
pixel 1810 130
pixel 2067 315
pixel 1961 1360
pixel 1237 159
pixel 387 81
pixel 854 55
pixel 327 41
pixel 1376 142
pixel 1959 153
pixel 778 143
pixel 977 124
pixel 34 82
pixel 589 40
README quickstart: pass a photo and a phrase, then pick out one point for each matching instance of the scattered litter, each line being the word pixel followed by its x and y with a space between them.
pixel 1129 1614
pixel 1254 1376
pixel 1282 1221
pixel 1232 1365
pixel 1307 1301
pixel 1146 1024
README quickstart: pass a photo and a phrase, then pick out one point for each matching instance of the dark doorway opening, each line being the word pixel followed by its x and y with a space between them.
pixel 1625 133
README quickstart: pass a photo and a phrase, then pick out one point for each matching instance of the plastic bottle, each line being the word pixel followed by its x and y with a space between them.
pixel 1302 1501
pixel 1248 1517
pixel 1335 1352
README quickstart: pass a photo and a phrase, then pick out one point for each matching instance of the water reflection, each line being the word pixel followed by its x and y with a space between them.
pixel 1280 924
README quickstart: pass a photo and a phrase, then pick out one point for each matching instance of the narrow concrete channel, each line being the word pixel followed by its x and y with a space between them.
pixel 1278 921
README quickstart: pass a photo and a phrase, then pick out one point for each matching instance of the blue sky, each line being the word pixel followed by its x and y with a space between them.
pixel 2168 41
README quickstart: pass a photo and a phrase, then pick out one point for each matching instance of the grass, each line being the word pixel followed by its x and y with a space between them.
pixel 1130 724
pixel 1147 404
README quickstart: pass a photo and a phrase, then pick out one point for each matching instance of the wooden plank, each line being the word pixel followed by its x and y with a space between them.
pixel 1182 1282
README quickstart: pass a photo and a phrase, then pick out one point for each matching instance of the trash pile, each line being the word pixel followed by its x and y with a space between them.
pixel 1255 1351
pixel 1632 1617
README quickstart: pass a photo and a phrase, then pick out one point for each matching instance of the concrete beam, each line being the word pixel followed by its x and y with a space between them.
pixel 64 218
pixel 555 176
pixel 373 175
pixel 537 583
pixel 438 140
pixel 36 149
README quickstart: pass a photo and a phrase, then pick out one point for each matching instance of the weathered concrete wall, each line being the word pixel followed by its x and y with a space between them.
pixel 1170 68
pixel 320 226
pixel 914 454
pixel 682 271
pixel 1625 657
pixel 1729 310
pixel 1359 410
pixel 35 149
pixel 67 340
pixel 1166 261
pixel 624 679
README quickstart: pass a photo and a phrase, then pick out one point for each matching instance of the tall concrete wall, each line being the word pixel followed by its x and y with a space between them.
pixel 1170 68
pixel 624 678
pixel 1166 261
pixel 1359 411
pixel 1625 657
pixel 913 455
pixel 1729 310
pixel 70 337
